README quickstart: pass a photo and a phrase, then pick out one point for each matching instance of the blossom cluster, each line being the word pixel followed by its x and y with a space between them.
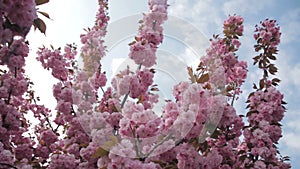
pixel 221 61
pixel 93 48
pixel 268 33
pixel 16 18
pixel 266 106
pixel 13 56
pixel 143 49
pixel 133 84
pixel 76 95
pixel 264 131
pixel 56 61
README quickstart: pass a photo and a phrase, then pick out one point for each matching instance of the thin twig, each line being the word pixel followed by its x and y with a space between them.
pixel 160 143
pixel 8 165
pixel 233 98
pixel 124 100
pixel 136 142
pixel 102 90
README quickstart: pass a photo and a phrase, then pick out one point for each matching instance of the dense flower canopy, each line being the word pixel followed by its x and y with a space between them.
pixel 98 126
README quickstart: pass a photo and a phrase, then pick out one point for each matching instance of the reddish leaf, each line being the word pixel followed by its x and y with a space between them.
pixel 229 88
pixel 152 70
pixel 191 74
pixel 274 83
pixel 276 80
pixel 256 58
pixel 272 57
pixel 200 66
pixel 254 86
pixel 250 95
pixel 161 163
pixel 40 24
pixel 141 99
pixel 132 43
pixel 261 84
pixel 104 149
pixel 207 86
pixel 272 69
pixel 71 71
pixel 254 63
pixel 40 2
pixel 266 73
pixel 45 14
pixel 215 134
pixel 251 112
pixel 154 89
pixel 204 78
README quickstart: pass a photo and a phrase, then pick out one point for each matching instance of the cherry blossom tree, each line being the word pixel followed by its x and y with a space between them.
pixel 97 125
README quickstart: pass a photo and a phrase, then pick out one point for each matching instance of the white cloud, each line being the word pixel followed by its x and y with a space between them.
pixel 293 74
pixel 288 73
pixel 290 26
pixel 245 7
pixel 205 14
pixel 187 36
pixel 289 143
pixel 294 125
pixel 120 9
pixel 291 32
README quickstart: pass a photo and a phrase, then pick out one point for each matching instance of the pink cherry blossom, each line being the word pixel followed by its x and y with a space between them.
pixel 98 126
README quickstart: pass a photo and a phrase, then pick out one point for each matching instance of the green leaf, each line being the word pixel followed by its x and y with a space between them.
pixel 41 2
pixel 40 24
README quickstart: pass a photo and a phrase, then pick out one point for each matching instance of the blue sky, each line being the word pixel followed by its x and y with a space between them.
pixel 69 17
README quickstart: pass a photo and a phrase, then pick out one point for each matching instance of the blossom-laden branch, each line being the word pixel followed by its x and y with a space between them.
pixel 120 129
pixel 266 105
